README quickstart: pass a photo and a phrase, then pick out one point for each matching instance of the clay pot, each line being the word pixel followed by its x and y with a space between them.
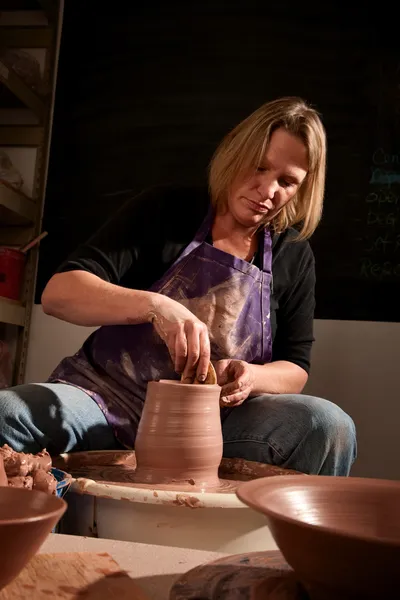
pixel 26 519
pixel 341 535
pixel 179 438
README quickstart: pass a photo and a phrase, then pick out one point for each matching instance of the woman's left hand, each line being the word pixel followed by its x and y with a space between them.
pixel 236 379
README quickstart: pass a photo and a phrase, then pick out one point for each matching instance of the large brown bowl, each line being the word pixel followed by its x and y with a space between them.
pixel 341 535
pixel 26 519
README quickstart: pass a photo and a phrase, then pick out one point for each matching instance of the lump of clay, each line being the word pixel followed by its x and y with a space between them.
pixel 30 471
pixel 3 476
pixel 44 482
pixel 21 482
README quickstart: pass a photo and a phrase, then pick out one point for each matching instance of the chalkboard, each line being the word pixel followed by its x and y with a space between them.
pixel 144 95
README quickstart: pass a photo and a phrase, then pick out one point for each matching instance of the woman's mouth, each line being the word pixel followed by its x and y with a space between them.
pixel 257 206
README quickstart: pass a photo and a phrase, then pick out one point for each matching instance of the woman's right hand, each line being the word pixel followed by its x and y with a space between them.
pixel 185 335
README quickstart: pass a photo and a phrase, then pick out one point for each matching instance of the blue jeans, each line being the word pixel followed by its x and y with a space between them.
pixel 299 432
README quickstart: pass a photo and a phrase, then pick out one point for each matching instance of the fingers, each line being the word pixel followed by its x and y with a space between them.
pixel 240 382
pixel 187 340
pixel 221 369
pixel 193 353
pixel 235 399
pixel 204 358
pixel 238 390
pixel 180 350
pixel 198 351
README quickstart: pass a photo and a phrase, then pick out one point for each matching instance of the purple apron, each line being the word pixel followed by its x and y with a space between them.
pixel 230 295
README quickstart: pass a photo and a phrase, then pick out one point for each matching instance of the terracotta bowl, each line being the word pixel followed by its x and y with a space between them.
pixel 340 535
pixel 26 519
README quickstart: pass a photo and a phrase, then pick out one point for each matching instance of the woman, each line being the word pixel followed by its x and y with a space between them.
pixel 174 280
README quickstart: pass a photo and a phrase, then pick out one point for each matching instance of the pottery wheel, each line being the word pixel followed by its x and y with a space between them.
pixel 118 467
pixel 252 576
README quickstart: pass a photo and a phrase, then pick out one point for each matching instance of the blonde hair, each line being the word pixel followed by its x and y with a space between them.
pixel 243 148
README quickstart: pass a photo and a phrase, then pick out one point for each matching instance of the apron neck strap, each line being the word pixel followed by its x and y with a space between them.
pixel 266 253
pixel 266 240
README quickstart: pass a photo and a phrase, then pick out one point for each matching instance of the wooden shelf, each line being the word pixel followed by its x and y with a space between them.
pixel 21 90
pixel 21 135
pixel 26 37
pixel 15 208
pixel 11 312
pixel 25 122
pixel 16 236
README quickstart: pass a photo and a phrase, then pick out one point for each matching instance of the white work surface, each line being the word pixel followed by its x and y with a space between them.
pixel 154 568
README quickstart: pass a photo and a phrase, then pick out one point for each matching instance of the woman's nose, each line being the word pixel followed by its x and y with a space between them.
pixel 267 186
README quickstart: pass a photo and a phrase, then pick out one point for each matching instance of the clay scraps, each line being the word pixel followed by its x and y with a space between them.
pixel 30 471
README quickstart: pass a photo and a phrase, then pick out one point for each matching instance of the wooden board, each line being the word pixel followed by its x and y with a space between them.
pixel 70 575
pixel 252 576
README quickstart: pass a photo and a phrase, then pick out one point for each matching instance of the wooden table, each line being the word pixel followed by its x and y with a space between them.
pixel 73 567
pixel 154 568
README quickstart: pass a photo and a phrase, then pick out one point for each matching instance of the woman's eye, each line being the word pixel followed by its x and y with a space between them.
pixel 285 183
pixel 261 169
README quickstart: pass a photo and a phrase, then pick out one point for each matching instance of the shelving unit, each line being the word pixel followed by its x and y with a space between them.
pixel 17 87
pixel 21 135
pixel 12 312
pixel 16 208
pixel 25 133
pixel 27 37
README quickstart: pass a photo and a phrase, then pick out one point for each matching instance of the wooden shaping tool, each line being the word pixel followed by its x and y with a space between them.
pixel 211 378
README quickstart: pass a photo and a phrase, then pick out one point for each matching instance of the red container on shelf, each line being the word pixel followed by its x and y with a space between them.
pixel 12 264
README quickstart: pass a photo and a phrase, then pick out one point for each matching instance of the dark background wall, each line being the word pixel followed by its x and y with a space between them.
pixel 145 94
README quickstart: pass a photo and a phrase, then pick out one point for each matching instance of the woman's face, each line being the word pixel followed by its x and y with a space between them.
pixel 259 197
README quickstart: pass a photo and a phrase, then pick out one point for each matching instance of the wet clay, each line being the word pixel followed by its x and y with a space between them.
pixel 117 467
pixel 29 471
pixel 179 438
pixel 3 476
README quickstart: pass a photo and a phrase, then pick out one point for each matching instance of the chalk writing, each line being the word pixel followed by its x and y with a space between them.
pixel 382 196
pixel 382 219
pixel 375 270
pixel 380 158
pixel 381 243
pixel 384 176
pixel 385 243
